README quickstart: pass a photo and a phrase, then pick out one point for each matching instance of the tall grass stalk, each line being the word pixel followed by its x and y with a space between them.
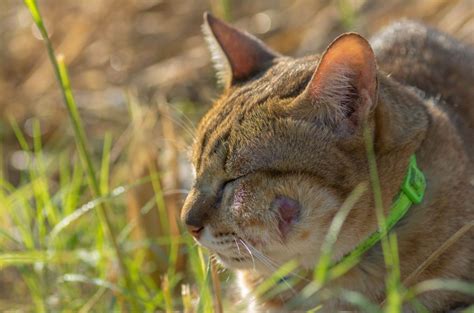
pixel 389 245
pixel 62 77
pixel 324 271
pixel 410 279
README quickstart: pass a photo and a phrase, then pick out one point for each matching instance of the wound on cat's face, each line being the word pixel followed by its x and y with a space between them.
pixel 289 211
pixel 276 155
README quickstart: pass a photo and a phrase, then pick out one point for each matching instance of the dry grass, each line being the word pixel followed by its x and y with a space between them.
pixel 141 74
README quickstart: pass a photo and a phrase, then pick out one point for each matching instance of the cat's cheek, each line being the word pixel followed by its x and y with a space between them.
pixel 288 211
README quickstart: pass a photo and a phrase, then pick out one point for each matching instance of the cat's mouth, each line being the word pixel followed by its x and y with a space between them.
pixel 230 249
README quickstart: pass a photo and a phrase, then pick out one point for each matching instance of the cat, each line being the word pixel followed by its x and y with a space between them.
pixel 284 146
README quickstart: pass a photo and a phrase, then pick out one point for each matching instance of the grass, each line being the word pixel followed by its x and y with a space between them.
pixel 64 231
pixel 53 240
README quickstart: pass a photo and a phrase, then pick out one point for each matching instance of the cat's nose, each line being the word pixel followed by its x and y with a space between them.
pixel 196 212
pixel 195 231
pixel 194 224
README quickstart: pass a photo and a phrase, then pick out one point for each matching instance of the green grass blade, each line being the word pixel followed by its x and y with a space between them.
pixel 35 290
pixel 105 165
pixel 19 135
pixel 359 301
pixel 63 80
pixel 322 268
pixel 442 284
pixel 279 277
pixel 15 203
pixel 389 247
pixel 73 277
pixel 73 190
pixel 43 194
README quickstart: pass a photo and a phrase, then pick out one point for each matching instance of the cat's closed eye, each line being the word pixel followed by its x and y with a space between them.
pixel 223 186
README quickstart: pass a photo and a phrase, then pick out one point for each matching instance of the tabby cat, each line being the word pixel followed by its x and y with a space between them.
pixel 284 147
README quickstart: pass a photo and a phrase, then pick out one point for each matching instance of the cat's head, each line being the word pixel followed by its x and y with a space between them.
pixel 281 150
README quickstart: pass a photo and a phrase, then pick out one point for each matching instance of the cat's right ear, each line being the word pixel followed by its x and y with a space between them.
pixel 343 89
pixel 237 55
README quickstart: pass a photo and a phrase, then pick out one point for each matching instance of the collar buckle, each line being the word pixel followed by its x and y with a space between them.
pixel 414 184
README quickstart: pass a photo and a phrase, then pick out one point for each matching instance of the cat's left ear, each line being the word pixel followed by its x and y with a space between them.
pixel 237 55
pixel 343 89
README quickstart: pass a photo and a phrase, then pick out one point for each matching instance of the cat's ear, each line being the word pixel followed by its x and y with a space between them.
pixel 237 55
pixel 343 88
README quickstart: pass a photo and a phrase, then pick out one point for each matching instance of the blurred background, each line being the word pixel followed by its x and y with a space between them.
pixel 142 78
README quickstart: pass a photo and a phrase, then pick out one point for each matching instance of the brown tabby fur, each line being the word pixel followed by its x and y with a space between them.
pixel 281 131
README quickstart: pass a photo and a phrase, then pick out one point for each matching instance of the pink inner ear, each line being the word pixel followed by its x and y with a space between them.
pixel 289 211
pixel 346 80
pixel 349 57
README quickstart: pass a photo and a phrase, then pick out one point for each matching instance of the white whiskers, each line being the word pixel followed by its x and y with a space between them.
pixel 249 251
pixel 271 263
pixel 266 261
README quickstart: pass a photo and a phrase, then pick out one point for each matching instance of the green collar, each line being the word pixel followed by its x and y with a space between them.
pixel 411 192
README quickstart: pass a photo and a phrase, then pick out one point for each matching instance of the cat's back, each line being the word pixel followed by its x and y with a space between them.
pixel 438 65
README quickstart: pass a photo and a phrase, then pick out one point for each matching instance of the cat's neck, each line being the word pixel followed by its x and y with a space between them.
pixel 450 176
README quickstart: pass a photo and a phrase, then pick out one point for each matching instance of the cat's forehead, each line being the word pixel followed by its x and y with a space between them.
pixel 247 105
pixel 285 78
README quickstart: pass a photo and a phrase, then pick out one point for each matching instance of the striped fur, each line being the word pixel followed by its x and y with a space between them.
pixel 264 138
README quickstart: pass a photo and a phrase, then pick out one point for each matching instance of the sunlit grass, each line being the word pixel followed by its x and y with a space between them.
pixel 63 228
pixel 67 258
